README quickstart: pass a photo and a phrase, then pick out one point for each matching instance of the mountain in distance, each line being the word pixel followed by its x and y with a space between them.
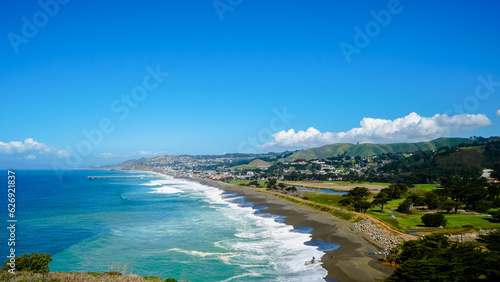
pixel 249 161
pixel 370 149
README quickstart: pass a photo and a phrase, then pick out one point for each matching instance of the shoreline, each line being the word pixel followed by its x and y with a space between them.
pixel 350 262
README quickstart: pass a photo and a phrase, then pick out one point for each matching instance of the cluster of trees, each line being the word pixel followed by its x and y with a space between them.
pixel 253 183
pixel 465 161
pixel 473 194
pixel 435 258
pixel 455 193
pixel 36 263
pixel 434 219
pixel 357 198
pixel 394 191
pixel 273 184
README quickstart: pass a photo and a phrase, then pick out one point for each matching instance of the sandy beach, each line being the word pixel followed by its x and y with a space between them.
pixel 348 263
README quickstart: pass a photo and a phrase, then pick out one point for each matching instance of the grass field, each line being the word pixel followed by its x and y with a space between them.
pixel 326 199
pixel 413 220
pixel 426 187
pixel 402 221
pixel 393 204
pixel 241 182
pixel 361 183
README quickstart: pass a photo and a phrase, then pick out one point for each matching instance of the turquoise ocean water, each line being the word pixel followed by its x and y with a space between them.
pixel 155 227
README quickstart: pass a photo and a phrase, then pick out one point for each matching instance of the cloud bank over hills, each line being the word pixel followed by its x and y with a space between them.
pixel 411 128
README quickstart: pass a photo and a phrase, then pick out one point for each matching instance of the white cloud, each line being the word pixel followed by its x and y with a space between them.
pixel 143 153
pixel 29 149
pixel 107 155
pixel 498 113
pixel 20 147
pixel 411 128
pixel 62 153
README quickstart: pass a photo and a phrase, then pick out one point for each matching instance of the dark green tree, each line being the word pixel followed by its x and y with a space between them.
pixel 281 186
pixel 434 219
pixel 431 200
pixel 405 206
pixel 36 263
pixel 449 204
pixel 458 262
pixel 359 192
pixel 397 191
pixel 492 240
pixel 493 191
pixel 346 201
pixel 381 199
pixel 271 183
pixel 362 205
pixel 495 215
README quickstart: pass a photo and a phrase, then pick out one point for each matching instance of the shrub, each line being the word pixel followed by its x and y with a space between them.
pixel 405 206
pixel 495 215
pixel 434 220
pixel 483 206
pixel 357 219
pixel 36 263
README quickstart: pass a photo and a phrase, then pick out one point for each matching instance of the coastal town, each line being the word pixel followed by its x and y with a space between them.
pixel 258 167
pixel 450 194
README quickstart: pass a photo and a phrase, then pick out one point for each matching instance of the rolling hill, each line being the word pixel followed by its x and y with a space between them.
pixel 257 163
pixel 369 149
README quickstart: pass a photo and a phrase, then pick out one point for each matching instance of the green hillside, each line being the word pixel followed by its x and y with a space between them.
pixel 257 163
pixel 369 149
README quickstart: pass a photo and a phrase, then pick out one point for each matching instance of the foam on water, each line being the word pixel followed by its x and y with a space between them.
pixel 183 229
pixel 264 239
pixel 166 190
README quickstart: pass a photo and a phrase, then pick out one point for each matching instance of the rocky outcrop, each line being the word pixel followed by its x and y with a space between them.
pixel 380 235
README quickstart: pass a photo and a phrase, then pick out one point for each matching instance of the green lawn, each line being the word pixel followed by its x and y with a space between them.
pixel 367 183
pixel 393 204
pixel 384 217
pixel 413 220
pixel 240 182
pixel 326 199
pixel 426 187
pixel 459 220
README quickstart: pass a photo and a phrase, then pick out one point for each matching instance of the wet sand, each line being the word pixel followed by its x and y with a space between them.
pixel 348 263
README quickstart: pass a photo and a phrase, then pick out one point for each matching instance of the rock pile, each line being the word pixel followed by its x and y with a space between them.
pixel 380 235
pixel 462 238
pixel 467 237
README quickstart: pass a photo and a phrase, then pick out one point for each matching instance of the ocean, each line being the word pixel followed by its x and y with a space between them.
pixel 154 227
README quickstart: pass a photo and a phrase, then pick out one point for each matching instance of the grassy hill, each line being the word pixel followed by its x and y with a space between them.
pixel 369 149
pixel 253 164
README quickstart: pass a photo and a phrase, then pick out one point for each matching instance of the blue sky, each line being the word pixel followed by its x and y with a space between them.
pixel 233 68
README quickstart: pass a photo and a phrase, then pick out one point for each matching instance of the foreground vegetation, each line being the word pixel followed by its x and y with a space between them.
pixel 77 277
pixel 35 267
pixel 435 258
